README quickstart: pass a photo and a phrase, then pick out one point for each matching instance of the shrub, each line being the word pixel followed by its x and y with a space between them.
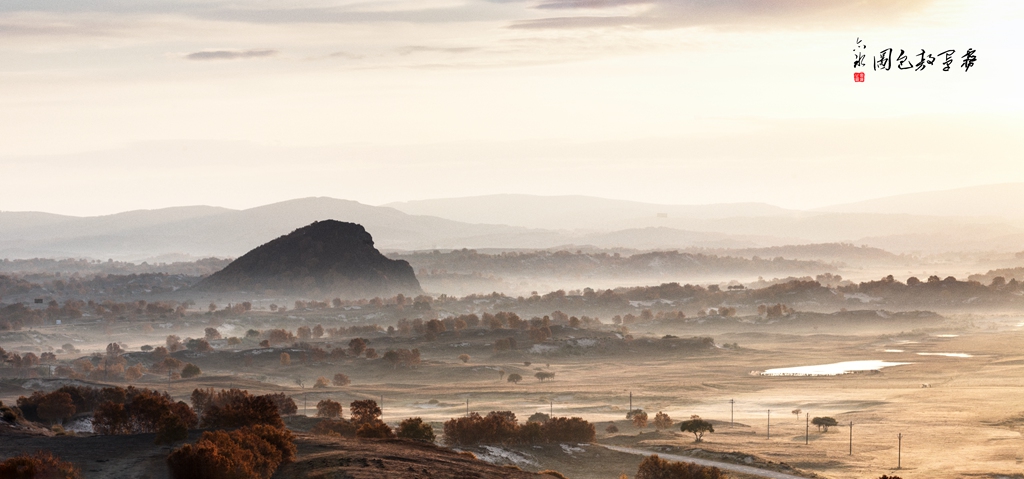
pixel 567 429
pixel 662 421
pixel 250 452
pixel 375 430
pixel 654 467
pixel 190 371
pixel 335 427
pixel 414 428
pixel 42 464
pixel 611 429
pixel 171 429
pixel 464 358
pixel 341 380
pixel 542 375
pixel 538 417
pixel 328 408
pixel 140 411
pixel 56 407
pixel 286 359
pixel 640 419
pixel 552 473
pixel 285 405
pixel 236 408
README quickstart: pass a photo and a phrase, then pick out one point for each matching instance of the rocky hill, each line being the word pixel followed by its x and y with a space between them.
pixel 325 257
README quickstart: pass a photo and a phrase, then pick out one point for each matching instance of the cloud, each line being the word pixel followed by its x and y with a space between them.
pixel 230 54
pixel 424 49
pixel 690 13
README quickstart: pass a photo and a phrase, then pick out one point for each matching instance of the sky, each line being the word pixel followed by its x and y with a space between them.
pixel 116 105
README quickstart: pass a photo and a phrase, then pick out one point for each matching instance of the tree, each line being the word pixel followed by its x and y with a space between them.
pixel 538 417
pixel 304 333
pixel 542 375
pixel 328 409
pixel 464 358
pixel 171 429
pixel 375 430
pixel 56 407
pixel 286 359
pixel 321 382
pixel 797 413
pixel 211 334
pixel 134 373
pixel 318 331
pixel 414 428
pixel 190 371
pixel 662 421
pixel 640 419
pixel 514 378
pixel 611 429
pixel 824 422
pixel 357 345
pixel 364 411
pixel 697 427
pixel 341 380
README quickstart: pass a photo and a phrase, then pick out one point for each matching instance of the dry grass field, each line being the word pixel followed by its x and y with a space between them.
pixel 959 416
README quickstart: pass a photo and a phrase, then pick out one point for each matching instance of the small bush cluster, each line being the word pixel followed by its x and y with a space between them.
pixel 250 452
pixel 501 427
pixel 654 467
pixel 42 464
pixel 237 408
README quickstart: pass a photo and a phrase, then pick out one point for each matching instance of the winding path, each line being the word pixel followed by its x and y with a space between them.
pixel 704 462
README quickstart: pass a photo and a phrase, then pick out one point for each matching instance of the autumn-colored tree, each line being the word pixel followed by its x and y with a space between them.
pixel 414 428
pixel 321 382
pixel 174 343
pixel 611 429
pixel 341 380
pixel 56 407
pixel 318 331
pixel 654 467
pixel 42 465
pixel 640 419
pixel 375 430
pixel 464 358
pixel 285 405
pixel 286 359
pixel 357 345
pixel 304 333
pixel 364 411
pixel 249 452
pixel 371 353
pixel 328 409
pixel 212 334
pixel 662 421
pixel 236 408
pixel 134 373
pixel 190 371
pixel 170 429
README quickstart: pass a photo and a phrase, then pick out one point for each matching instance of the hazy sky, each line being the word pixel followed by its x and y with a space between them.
pixel 112 105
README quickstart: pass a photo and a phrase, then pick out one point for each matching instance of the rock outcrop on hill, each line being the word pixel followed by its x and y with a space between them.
pixel 324 258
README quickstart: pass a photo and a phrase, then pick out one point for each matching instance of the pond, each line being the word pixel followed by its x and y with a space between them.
pixel 833 369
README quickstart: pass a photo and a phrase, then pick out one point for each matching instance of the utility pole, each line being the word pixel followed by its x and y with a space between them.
pixel 305 411
pixel 807 430
pixel 551 409
pixel 851 438
pixel 732 417
pixel 899 451
pixel 631 401
pixel 381 407
pixel 467 407
pixel 769 424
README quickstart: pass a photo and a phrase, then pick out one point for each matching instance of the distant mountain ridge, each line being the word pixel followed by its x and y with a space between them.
pixel 524 222
pixel 1001 200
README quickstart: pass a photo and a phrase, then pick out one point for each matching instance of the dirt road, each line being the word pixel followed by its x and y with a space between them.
pixel 704 462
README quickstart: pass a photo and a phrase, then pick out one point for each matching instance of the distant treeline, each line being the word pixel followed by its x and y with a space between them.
pixel 42 269
pixel 565 263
